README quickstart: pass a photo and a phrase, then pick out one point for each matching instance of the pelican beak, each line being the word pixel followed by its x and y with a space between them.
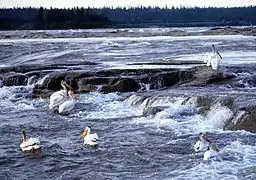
pixel 74 96
pixel 84 133
pixel 219 55
pixel 215 147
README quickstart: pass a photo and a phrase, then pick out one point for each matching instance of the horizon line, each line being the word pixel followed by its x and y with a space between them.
pixel 128 7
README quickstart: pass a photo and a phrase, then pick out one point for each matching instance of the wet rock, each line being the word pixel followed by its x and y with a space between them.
pixel 121 85
pixel 151 111
pixel 52 82
pixel 111 80
pixel 16 79
pixel 244 119
pixel 204 75
pixel 204 103
pixel 177 77
pixel 41 93
pixel 87 87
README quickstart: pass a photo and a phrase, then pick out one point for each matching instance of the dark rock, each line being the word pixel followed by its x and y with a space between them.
pixel 204 75
pixel 177 77
pixel 94 80
pixel 86 87
pixel 244 119
pixel 204 103
pixel 121 85
pixel 16 79
pixel 53 81
pixel 152 111
pixel 41 93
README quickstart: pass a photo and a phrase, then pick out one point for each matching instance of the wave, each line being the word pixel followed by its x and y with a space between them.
pixel 237 156
pixel 182 114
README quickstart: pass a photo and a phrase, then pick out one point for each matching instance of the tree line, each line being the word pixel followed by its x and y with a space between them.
pixel 53 18
pixel 80 18
pixel 182 16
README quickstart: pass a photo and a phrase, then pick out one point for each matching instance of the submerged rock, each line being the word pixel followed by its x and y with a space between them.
pixel 151 111
pixel 205 103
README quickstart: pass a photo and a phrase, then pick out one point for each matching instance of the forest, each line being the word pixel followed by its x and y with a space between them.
pixel 84 18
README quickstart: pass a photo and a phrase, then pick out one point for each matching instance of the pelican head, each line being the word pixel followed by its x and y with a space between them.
pixel 85 132
pixel 202 137
pixel 24 137
pixel 213 48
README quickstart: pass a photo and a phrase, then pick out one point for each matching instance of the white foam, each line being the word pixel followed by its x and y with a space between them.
pixel 108 106
pixel 218 116
pixel 182 119
pixel 237 158
pixel 117 39
pixel 11 98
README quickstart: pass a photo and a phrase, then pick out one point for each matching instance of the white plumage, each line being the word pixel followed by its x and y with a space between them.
pixel 57 100
pixel 212 153
pixel 89 139
pixel 30 145
pixel 68 105
pixel 58 97
pixel 213 59
pixel 202 144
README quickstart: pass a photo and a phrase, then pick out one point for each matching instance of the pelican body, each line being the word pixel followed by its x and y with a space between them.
pixel 89 139
pixel 67 105
pixel 213 59
pixel 212 153
pixel 30 145
pixel 202 144
pixel 57 98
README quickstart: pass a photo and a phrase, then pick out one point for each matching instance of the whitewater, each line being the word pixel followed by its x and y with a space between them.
pixel 148 134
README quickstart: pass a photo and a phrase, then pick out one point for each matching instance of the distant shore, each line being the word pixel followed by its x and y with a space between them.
pixel 125 32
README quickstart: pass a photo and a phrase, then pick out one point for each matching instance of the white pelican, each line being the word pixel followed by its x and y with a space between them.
pixel 30 145
pixel 89 139
pixel 212 153
pixel 202 144
pixel 213 59
pixel 68 105
pixel 57 98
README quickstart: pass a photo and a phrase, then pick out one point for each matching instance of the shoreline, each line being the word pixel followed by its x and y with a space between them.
pixel 125 32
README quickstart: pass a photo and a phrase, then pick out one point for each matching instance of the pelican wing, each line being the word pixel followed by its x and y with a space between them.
pixel 57 100
pixel 211 155
pixel 215 62
pixel 201 146
pixel 209 59
pixel 58 93
pixel 90 143
pixel 30 142
pixel 206 57
pixel 91 137
pixel 67 106
pixel 197 146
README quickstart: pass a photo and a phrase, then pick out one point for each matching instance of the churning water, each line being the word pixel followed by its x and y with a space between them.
pixel 132 145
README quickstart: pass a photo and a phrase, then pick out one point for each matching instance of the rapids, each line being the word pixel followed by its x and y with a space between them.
pixel 148 134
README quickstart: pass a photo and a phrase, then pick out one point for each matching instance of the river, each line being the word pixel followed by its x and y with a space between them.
pixel 132 145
